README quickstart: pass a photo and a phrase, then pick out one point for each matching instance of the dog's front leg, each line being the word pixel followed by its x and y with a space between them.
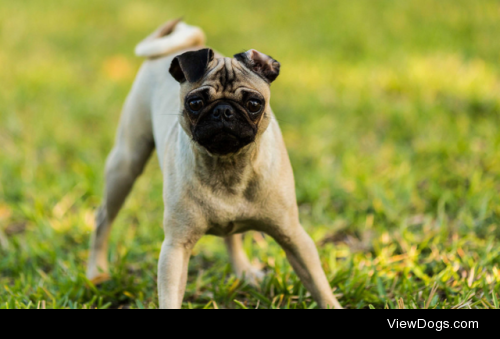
pixel 173 268
pixel 304 258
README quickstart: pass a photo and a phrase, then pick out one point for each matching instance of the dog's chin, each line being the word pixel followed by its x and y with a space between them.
pixel 223 142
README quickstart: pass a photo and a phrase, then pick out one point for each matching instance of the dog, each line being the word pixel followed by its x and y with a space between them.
pixel 224 163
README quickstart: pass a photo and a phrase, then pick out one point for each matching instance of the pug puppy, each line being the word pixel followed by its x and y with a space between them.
pixel 224 163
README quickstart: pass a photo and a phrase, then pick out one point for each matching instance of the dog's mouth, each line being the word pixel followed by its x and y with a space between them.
pixel 221 139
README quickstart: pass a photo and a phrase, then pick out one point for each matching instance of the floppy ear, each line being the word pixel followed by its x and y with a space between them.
pixel 191 66
pixel 262 64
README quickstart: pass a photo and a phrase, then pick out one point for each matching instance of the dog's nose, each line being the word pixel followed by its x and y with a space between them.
pixel 224 110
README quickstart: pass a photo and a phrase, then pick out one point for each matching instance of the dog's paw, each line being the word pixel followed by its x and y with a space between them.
pixel 252 275
pixel 99 278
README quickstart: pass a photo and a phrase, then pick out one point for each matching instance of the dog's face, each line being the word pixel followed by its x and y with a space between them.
pixel 225 102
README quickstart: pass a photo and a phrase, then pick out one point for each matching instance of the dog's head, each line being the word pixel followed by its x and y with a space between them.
pixel 225 102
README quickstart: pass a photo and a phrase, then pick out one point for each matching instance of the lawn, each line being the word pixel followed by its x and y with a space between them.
pixel 390 111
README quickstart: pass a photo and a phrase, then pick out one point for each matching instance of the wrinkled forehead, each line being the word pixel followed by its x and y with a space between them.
pixel 230 79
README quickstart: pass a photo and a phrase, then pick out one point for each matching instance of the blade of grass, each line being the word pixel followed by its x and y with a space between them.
pixel 431 296
pixel 240 304
pixel 495 300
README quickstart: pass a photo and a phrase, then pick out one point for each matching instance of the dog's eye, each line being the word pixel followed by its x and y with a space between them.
pixel 254 106
pixel 196 104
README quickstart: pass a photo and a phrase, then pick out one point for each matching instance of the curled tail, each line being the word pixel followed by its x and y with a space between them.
pixel 169 38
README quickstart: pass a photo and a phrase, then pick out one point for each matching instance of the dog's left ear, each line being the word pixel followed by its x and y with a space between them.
pixel 191 66
pixel 262 64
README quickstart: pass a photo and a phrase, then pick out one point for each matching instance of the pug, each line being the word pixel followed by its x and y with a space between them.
pixel 224 163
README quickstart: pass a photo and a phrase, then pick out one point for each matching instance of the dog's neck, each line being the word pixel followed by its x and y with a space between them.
pixel 230 173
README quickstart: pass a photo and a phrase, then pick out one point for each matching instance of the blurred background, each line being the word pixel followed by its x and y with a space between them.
pixel 390 111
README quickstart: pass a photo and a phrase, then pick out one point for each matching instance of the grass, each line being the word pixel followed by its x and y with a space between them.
pixel 390 111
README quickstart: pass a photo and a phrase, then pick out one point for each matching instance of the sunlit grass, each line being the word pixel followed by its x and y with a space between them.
pixel 390 111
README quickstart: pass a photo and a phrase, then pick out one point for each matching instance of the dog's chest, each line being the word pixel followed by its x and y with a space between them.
pixel 229 198
pixel 228 215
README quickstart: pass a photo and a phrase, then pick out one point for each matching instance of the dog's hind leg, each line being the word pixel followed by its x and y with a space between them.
pixel 239 260
pixel 133 147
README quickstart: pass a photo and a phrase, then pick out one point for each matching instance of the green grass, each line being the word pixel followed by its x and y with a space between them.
pixel 390 111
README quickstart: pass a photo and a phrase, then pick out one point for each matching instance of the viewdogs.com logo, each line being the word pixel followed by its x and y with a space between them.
pixel 437 325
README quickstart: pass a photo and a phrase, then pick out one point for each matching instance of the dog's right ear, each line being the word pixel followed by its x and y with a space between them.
pixel 191 66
